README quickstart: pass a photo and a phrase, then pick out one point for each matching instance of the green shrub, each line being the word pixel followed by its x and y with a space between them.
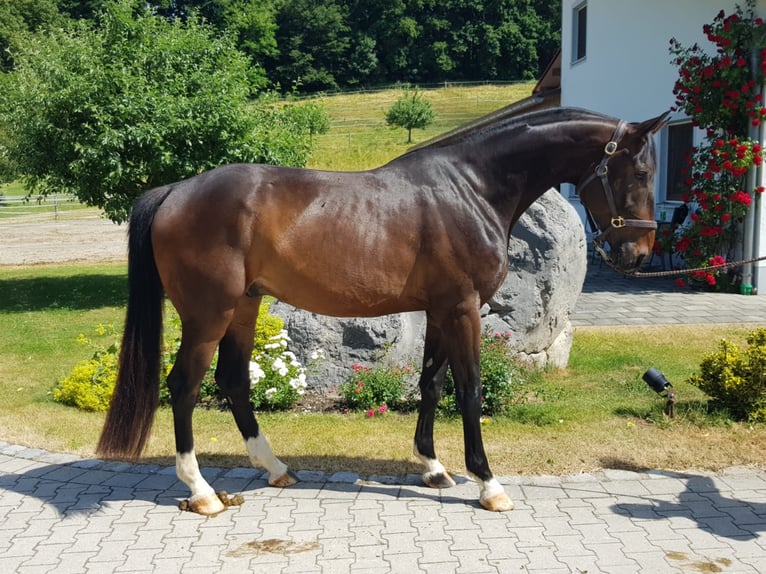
pixel 90 384
pixel 277 378
pixel 375 389
pixel 734 380
pixel 500 377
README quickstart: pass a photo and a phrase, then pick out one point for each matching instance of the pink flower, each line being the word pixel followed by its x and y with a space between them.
pixel 383 408
pixel 371 413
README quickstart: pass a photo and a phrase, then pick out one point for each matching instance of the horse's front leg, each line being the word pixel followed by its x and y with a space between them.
pixel 464 350
pixel 233 378
pixel 431 383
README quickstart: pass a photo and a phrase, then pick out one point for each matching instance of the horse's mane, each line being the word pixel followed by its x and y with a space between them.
pixel 506 119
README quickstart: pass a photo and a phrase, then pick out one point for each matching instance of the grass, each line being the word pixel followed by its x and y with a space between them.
pixel 360 139
pixel 597 413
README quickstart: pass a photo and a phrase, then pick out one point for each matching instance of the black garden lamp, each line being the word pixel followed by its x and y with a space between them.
pixel 658 383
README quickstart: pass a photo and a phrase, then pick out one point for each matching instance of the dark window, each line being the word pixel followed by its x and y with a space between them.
pixel 680 139
pixel 580 31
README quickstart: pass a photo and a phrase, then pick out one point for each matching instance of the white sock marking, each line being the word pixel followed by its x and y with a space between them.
pixel 433 466
pixel 260 453
pixel 187 470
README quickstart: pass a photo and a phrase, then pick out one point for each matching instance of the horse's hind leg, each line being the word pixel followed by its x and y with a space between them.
pixel 194 355
pixel 431 383
pixel 233 377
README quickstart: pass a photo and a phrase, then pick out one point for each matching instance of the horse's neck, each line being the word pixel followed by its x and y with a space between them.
pixel 526 164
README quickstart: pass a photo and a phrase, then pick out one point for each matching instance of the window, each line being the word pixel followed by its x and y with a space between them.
pixel 579 32
pixel 680 141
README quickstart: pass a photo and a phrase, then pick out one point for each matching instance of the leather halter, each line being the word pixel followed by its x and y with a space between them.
pixel 601 172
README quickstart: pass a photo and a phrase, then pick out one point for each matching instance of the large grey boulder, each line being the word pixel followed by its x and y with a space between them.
pixel 548 259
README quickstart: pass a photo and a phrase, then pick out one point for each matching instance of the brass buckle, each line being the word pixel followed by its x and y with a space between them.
pixel 610 148
pixel 602 169
pixel 618 222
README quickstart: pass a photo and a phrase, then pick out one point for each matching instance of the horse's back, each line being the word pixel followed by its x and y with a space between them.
pixel 325 241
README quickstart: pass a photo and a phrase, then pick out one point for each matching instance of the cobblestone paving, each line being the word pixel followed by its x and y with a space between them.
pixel 62 514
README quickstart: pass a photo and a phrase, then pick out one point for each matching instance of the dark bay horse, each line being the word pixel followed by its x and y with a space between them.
pixel 428 231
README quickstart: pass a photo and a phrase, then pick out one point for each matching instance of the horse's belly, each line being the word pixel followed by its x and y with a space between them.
pixel 340 290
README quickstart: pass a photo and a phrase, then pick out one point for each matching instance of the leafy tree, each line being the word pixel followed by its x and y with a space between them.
pixel 311 116
pixel 410 111
pixel 106 112
pixel 252 23
pixel 18 19
pixel 314 41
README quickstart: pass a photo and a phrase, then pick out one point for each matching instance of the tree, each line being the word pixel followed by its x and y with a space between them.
pixel 311 116
pixel 314 42
pixel 410 111
pixel 19 18
pixel 108 111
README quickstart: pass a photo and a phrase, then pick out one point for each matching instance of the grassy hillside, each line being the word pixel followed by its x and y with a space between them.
pixel 360 139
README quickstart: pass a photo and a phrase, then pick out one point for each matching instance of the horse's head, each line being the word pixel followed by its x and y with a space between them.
pixel 618 191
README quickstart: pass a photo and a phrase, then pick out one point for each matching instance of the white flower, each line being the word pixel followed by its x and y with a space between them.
pixel 256 372
pixel 294 362
pixel 317 354
pixel 270 392
pixel 278 365
pixel 272 346
pixel 302 380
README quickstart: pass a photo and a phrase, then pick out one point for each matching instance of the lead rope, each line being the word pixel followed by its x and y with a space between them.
pixel 674 273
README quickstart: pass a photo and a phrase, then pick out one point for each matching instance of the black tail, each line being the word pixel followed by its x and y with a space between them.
pixel 136 393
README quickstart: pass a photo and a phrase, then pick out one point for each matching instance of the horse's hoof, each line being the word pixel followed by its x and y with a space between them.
pixel 287 479
pixel 500 502
pixel 438 480
pixel 208 505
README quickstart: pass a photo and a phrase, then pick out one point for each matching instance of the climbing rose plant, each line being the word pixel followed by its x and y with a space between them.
pixel 719 92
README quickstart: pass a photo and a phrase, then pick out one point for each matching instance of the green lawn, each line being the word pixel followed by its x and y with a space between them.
pixel 360 139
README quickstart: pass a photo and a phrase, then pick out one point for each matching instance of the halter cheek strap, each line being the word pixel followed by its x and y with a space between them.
pixel 601 172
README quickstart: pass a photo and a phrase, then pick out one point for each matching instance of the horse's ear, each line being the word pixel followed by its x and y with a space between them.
pixel 652 126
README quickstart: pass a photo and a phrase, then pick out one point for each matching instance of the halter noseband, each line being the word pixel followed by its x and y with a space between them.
pixel 601 171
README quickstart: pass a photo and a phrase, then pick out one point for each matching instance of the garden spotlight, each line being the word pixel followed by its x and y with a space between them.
pixel 658 383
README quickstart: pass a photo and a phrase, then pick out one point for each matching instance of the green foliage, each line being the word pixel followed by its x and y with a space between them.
pixel 107 111
pixel 410 111
pixel 90 384
pixel 335 44
pixel 736 381
pixel 311 117
pixel 500 378
pixel 277 378
pixel 19 19
pixel 375 388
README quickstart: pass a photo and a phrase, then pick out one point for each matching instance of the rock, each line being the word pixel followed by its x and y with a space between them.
pixel 548 259
pixel 547 264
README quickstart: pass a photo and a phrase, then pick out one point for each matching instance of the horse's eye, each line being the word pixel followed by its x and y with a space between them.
pixel 640 176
